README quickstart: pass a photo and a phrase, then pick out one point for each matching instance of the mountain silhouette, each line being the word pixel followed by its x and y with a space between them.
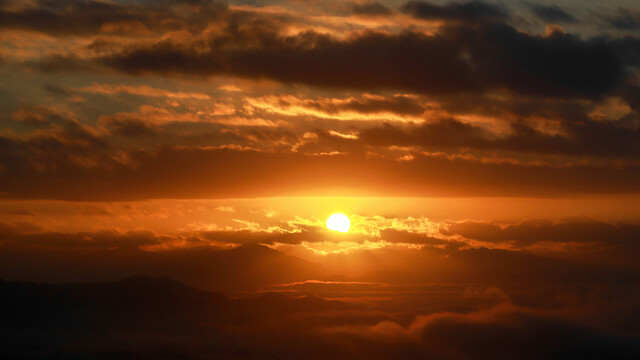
pixel 248 267
pixel 46 321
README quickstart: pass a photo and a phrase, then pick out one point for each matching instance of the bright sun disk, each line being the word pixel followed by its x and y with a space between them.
pixel 338 222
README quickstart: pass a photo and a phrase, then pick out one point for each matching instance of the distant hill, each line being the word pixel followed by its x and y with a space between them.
pixel 139 300
pixel 249 267
pixel 90 320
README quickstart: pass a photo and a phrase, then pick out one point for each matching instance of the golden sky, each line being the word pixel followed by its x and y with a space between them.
pixel 207 123
pixel 486 154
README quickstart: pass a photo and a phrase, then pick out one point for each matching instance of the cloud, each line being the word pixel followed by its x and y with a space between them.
pixel 496 101
pixel 143 90
pixel 405 237
pixel 530 232
pixel 457 11
pixel 85 168
pixel 104 239
pixel 58 90
pixel 370 8
pixel 131 127
pixel 262 237
pixel 622 19
pixel 63 63
pixel 551 13
pixel 38 116
pixel 363 108
pixel 472 59
pixel 478 52
pixel 78 17
pixel 208 258
pixel 279 326
pixel 576 139
pixel 288 59
pixel 512 332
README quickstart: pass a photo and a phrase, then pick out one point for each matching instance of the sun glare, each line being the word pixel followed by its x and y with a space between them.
pixel 338 222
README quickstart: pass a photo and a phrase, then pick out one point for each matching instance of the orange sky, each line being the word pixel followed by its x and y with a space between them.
pixel 167 168
pixel 214 124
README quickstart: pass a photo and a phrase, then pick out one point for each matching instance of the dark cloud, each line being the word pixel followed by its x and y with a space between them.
pixel 61 63
pixel 370 8
pixel 73 164
pixel 587 138
pixel 404 237
pixel 335 63
pixel 93 240
pixel 31 253
pixel 556 65
pixel 398 104
pixel 57 90
pixel 519 107
pixel 505 333
pixel 456 11
pixel 470 59
pixel 65 146
pixel 551 13
pixel 80 17
pixel 440 134
pixel 622 19
pixel 313 235
pixel 129 128
pixel 629 48
pixel 461 263
pixel 247 237
pixel 530 232
pixel 69 160
pixel 473 55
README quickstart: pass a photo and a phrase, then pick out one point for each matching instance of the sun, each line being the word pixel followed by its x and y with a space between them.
pixel 338 222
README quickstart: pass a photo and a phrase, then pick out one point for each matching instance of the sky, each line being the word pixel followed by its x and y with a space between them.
pixel 487 154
